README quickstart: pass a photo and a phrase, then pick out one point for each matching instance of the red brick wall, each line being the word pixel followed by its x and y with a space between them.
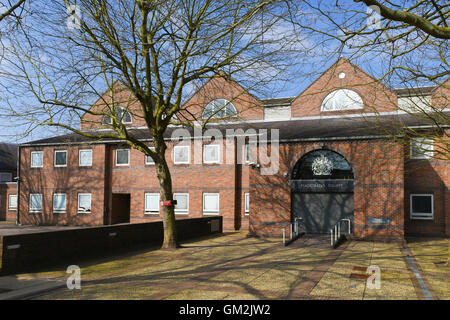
pixel 247 106
pixel 70 180
pixel 378 191
pixel 428 176
pixel 375 95
pixel 121 97
pixel 7 189
pixel 105 178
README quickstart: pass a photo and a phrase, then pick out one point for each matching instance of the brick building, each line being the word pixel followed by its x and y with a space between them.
pixel 337 159
pixel 8 184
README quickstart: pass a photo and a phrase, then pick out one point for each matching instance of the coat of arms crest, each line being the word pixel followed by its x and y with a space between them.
pixel 322 166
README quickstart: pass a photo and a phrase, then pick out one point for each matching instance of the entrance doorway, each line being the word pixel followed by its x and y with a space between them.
pixel 120 212
pixel 322 191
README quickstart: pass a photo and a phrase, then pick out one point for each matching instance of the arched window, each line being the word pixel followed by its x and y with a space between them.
pixel 122 115
pixel 322 164
pixel 342 99
pixel 219 108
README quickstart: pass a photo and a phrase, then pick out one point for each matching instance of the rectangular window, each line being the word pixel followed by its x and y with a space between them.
pixel 85 158
pixel 247 153
pixel 37 159
pixel 210 203
pixel 12 202
pixel 181 154
pixel 122 157
pixel 59 202
pixel 5 177
pixel 148 159
pixel 421 148
pixel 35 202
pixel 152 203
pixel 246 203
pixel 182 206
pixel 84 202
pixel 421 206
pixel 211 153
pixel 60 158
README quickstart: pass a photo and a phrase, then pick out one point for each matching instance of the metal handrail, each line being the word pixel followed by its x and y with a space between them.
pixel 294 230
pixel 335 232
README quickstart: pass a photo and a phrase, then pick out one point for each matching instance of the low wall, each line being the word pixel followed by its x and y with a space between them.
pixel 28 252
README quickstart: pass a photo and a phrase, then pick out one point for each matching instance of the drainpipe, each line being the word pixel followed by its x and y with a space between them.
pixel 18 187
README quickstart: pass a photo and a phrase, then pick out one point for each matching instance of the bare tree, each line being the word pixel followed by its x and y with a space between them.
pixel 10 8
pixel 404 45
pixel 158 51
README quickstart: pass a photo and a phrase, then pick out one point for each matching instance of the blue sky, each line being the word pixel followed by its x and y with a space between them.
pixel 314 56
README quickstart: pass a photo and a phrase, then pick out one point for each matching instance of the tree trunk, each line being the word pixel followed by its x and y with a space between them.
pixel 165 181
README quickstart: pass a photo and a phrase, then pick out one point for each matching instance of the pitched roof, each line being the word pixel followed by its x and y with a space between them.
pixel 312 128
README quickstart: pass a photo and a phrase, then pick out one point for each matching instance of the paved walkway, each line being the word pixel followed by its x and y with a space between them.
pixel 235 267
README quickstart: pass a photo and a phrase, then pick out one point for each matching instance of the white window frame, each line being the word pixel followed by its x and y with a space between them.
pixel 31 159
pixel 247 153
pixel 79 157
pixel 149 210
pixel 54 161
pixel 211 212
pixel 423 154
pixel 36 210
pixel 182 211
pixel 9 174
pixel 62 210
pixel 145 157
pixel 188 157
pixel 9 202
pixel 421 215
pixel 120 108
pixel 123 164
pixel 246 204
pixel 78 202
pixel 205 146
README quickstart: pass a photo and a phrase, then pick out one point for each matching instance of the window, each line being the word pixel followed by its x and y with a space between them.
pixel 421 148
pixel 342 99
pixel 12 203
pixel 421 206
pixel 246 203
pixel 60 158
pixel 219 108
pixel 182 206
pixel 37 159
pixel 59 202
pixel 211 153
pixel 210 203
pixel 148 159
pixel 247 153
pixel 121 115
pixel 181 154
pixel 85 158
pixel 35 202
pixel 84 202
pixel 5 177
pixel 152 203
pixel 122 157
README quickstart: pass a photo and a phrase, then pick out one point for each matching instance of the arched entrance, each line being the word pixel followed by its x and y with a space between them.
pixel 322 190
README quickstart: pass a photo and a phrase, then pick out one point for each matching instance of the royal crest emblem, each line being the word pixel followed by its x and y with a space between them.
pixel 322 166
